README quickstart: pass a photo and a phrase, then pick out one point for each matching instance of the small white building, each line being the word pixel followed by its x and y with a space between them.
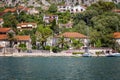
pixel 26 26
pixel 63 8
pixel 71 9
pixel 33 11
pixel 77 9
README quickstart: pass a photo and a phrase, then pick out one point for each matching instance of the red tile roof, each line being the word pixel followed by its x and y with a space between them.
pixel 4 29
pixel 1 19
pixel 116 35
pixel 3 37
pixel 23 38
pixel 117 10
pixel 1 46
pixel 10 10
pixel 23 8
pixel 72 35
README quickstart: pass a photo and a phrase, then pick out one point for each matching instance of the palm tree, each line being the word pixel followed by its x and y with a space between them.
pixel 62 42
pixel 77 44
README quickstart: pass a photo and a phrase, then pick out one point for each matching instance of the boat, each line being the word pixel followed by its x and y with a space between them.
pixel 113 55
pixel 87 55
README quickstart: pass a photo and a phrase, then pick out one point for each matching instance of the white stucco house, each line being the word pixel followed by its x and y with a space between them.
pixel 63 8
pixel 68 36
pixel 71 8
pixel 77 9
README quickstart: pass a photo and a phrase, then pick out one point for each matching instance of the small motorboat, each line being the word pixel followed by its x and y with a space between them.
pixel 87 55
pixel 113 55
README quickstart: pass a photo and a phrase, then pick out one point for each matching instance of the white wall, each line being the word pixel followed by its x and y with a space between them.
pixel 4 43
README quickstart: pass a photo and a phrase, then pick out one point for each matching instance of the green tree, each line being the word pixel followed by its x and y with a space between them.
pixel 64 17
pixel 53 8
pixel 10 20
pixel 77 44
pixel 61 42
pixel 42 34
pixel 23 46
pixel 102 6
pixel 11 38
pixel 55 27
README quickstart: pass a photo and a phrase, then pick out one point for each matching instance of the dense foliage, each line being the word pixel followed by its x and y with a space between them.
pixel 98 22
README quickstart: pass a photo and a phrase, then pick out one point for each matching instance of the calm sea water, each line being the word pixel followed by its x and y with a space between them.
pixel 59 68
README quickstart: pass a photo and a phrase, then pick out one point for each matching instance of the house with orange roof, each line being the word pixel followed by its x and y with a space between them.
pixel 6 31
pixel 4 36
pixel 49 18
pixel 24 39
pixel 5 40
pixel 68 36
pixel 1 22
pixel 116 36
pixel 26 26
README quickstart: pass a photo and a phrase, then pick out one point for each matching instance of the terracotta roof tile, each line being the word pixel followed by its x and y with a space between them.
pixel 23 38
pixel 116 35
pixel 10 10
pixel 3 37
pixel 72 35
pixel 117 10
pixel 1 19
pixel 23 8
pixel 4 29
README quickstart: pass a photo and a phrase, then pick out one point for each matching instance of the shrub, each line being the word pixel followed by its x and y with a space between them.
pixel 74 53
pixel 22 46
pixel 98 53
pixel 56 49
pixel 47 47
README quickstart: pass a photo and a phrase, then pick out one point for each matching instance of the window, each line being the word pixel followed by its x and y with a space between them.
pixel 76 10
pixel 81 9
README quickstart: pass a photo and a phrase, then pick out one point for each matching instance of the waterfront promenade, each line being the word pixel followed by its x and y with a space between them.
pixel 45 53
